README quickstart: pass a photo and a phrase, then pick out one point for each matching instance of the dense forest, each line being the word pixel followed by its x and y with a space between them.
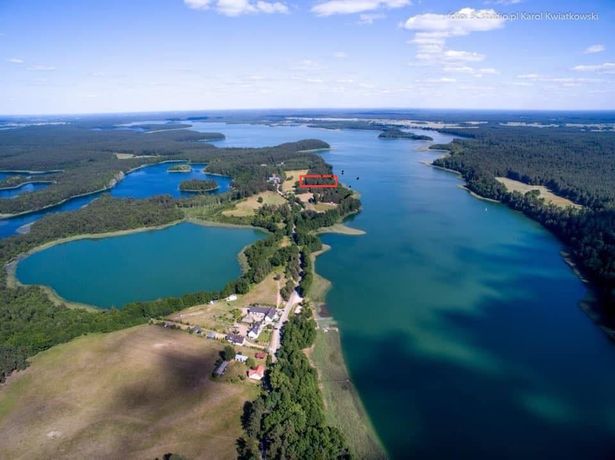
pixel 30 322
pixel 87 160
pixel 288 419
pixel 396 133
pixel 579 165
pixel 198 185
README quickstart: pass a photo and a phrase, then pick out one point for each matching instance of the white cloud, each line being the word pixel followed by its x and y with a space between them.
pixel 462 22
pixel 466 56
pixel 432 31
pixel 238 7
pixel 331 7
pixel 15 61
pixel 464 69
pixel 369 18
pixel 607 67
pixel 593 49
pixel 340 55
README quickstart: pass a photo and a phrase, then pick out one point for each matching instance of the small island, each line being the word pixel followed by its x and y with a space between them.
pixel 198 185
pixel 396 133
pixel 180 168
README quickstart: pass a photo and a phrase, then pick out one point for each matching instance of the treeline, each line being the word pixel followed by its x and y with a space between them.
pixel 396 133
pixel 87 158
pixel 198 185
pixel 589 233
pixel 288 420
pixel 250 172
pixel 30 322
pixel 573 163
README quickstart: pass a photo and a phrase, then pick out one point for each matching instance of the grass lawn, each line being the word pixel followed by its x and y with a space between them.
pixel 218 316
pixel 135 393
pixel 291 177
pixel 247 206
pixel 549 197
pixel 343 408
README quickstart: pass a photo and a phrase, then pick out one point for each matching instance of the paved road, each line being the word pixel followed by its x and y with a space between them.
pixel 274 345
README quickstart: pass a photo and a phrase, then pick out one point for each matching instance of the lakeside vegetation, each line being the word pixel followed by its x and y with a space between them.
pixel 396 133
pixel 180 168
pixel 288 419
pixel 31 323
pixel 85 160
pixel 575 164
pixel 198 185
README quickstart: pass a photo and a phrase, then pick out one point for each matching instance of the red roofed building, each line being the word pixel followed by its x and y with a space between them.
pixel 258 373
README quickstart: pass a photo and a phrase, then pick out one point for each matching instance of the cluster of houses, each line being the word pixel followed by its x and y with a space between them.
pixel 257 317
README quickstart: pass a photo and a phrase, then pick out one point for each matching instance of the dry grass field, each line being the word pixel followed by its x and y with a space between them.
pixel 247 206
pixel 291 177
pixel 550 197
pixel 136 393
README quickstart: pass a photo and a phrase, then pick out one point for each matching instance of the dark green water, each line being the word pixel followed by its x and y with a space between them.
pixel 140 266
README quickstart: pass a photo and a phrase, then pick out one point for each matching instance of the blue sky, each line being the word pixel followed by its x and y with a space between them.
pixel 88 56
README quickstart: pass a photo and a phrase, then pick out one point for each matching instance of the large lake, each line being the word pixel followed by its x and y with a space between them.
pixel 460 322
pixel 148 265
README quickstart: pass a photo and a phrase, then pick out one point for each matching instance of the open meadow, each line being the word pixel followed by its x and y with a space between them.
pixel 139 393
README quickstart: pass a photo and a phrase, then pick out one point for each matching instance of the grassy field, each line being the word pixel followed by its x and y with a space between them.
pixel 548 195
pixel 247 206
pixel 218 317
pixel 291 177
pixel 343 406
pixel 136 393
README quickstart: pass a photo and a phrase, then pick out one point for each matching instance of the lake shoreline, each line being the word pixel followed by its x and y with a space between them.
pixel 118 177
pixel 11 267
pixel 343 404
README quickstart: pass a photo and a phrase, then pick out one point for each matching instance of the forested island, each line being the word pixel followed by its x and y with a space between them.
pixel 575 164
pixel 396 133
pixel 198 185
pixel 180 168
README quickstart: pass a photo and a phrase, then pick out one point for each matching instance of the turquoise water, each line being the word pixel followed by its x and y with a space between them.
pixel 460 322
pixel 140 266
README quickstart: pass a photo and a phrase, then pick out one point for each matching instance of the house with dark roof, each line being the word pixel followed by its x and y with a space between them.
pixel 221 369
pixel 236 339
pixel 256 330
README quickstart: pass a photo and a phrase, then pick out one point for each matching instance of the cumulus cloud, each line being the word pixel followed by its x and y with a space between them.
pixel 331 7
pixel 462 22
pixel 593 49
pixel 238 7
pixel 607 67
pixel 432 31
